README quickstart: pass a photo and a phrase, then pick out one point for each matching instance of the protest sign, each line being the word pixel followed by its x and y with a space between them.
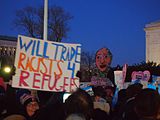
pixel 46 65
pixel 101 81
pixel 141 75
pixel 118 74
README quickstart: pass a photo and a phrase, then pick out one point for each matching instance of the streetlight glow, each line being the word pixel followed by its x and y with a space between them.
pixel 7 69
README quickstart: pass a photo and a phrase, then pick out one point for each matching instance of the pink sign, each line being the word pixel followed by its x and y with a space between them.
pixel 139 75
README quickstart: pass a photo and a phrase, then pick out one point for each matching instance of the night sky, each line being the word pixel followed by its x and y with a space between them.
pixel 115 24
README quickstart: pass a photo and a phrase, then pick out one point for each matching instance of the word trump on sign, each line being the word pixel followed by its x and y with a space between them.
pixel 46 65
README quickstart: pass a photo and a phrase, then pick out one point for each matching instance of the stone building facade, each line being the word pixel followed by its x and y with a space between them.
pixel 153 42
pixel 7 51
pixel 7 45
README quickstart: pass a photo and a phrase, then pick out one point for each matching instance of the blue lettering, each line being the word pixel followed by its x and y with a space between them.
pixel 26 47
pixel 68 54
pixel 72 54
pixel 37 50
pixel 33 48
pixel 63 52
pixel 57 45
pixel 45 50
pixel 72 68
pixel 78 53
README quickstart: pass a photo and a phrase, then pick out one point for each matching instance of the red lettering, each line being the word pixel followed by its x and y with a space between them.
pixel 23 76
pixel 73 84
pixel 35 80
pixel 57 77
pixel 58 89
pixel 45 78
pixel 51 87
pixel 65 83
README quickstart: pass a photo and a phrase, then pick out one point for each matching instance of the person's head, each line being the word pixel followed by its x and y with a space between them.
pixel 103 59
pixel 76 117
pixel 122 95
pixel 15 117
pixel 100 115
pixel 147 103
pixel 99 91
pixel 79 102
pixel 109 90
pixel 133 90
pixel 30 103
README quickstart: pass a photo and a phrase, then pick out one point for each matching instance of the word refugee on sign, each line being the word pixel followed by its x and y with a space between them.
pixel 65 53
pixel 44 81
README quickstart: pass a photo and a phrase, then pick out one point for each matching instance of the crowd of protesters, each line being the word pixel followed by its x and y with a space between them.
pixel 133 103
pixel 106 103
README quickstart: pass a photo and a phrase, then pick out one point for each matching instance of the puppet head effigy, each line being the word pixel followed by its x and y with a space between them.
pixel 103 59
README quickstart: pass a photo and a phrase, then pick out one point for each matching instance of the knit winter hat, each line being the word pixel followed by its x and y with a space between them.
pixel 26 99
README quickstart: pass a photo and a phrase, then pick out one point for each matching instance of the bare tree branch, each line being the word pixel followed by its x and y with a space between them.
pixel 30 20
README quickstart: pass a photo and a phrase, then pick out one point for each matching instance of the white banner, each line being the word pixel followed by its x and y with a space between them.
pixel 46 65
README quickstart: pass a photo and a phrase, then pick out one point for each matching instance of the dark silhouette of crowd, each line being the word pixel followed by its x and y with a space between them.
pixel 133 103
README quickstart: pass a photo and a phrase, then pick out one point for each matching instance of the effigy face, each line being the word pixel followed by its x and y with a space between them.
pixel 103 59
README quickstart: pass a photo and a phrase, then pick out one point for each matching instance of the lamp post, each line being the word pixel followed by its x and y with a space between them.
pixel 45 20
